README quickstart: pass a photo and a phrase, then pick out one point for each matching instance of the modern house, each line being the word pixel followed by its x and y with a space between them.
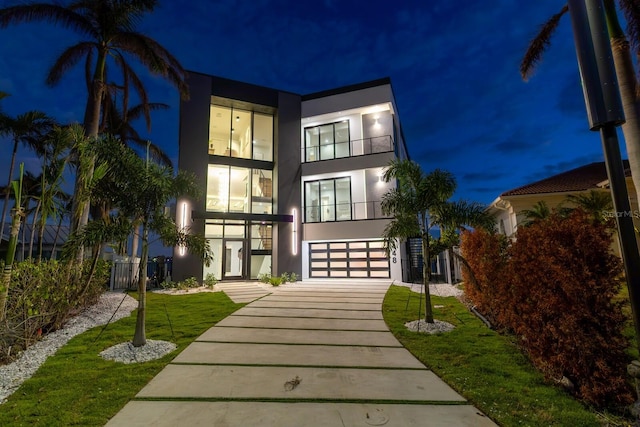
pixel 293 182
pixel 509 206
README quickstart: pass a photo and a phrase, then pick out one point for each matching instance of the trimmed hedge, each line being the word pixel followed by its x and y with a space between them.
pixel 554 287
pixel 42 297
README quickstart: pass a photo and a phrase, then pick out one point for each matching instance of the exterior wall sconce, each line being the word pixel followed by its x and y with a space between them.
pixel 294 232
pixel 183 225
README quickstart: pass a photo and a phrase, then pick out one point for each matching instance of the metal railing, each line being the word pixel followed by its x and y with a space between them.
pixel 354 148
pixel 344 212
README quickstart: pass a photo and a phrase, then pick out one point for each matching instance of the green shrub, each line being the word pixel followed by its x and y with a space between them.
pixel 210 280
pixel 43 296
pixel 275 281
pixel 556 293
pixel 186 284
pixel 289 277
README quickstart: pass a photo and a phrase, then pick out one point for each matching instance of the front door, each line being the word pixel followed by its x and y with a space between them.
pixel 233 259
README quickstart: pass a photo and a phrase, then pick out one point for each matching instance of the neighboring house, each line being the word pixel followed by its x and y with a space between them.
pixel 52 241
pixel 508 207
pixel 293 182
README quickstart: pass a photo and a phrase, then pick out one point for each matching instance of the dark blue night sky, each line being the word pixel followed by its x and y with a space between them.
pixel 453 66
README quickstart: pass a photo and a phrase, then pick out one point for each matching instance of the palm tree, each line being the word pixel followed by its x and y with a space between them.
pixel 419 204
pixel 538 212
pixel 595 203
pixel 17 214
pixel 109 28
pixel 625 69
pixel 29 129
pixel 140 193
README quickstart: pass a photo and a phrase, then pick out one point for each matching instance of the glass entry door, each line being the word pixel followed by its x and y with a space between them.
pixel 233 259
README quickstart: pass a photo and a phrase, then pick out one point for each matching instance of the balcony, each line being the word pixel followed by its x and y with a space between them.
pixel 355 211
pixel 354 148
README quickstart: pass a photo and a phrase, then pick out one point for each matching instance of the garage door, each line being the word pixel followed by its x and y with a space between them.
pixel 348 259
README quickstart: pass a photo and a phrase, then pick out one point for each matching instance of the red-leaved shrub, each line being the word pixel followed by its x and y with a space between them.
pixel 557 295
pixel 484 282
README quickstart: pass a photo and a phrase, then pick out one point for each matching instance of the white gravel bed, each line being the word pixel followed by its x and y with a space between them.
pixel 126 353
pixel 439 289
pixel 429 328
pixel 15 373
pixel 172 291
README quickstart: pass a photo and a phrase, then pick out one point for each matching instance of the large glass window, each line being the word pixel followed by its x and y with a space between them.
pixel 239 190
pixel 233 189
pixel 219 130
pixel 262 191
pixel 328 200
pixel 325 142
pixel 240 133
pixel 262 137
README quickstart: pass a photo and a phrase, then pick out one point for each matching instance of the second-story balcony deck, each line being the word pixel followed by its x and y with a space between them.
pixel 357 147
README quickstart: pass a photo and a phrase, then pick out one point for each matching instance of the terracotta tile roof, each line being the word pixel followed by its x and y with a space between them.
pixel 578 179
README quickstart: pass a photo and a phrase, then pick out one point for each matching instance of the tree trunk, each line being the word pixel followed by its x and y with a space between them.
pixel 628 86
pixel 6 196
pixel 426 278
pixel 139 339
pixel 80 208
pixel 135 240
pixel 33 228
pixel 17 215
pixel 628 92
pixel 55 239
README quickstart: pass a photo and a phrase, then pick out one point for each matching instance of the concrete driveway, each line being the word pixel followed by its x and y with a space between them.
pixel 309 354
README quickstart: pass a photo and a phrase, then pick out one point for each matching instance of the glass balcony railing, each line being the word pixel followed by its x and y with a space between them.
pixel 344 212
pixel 357 147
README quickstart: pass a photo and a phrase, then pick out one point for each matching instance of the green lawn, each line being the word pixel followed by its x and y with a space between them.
pixel 485 367
pixel 76 387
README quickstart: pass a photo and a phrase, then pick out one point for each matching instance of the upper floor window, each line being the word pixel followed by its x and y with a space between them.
pixel 328 200
pixel 325 142
pixel 234 189
pixel 240 133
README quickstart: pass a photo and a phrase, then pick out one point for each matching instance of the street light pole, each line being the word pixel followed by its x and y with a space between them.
pixel 604 110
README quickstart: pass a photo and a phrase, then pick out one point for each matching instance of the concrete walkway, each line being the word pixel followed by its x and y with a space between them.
pixel 309 354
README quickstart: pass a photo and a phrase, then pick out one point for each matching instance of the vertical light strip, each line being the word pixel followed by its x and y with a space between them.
pixel 294 234
pixel 183 225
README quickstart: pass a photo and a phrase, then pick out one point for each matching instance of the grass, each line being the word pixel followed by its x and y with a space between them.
pixel 486 368
pixel 76 387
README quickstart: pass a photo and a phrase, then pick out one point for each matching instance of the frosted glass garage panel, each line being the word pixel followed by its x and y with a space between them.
pixel 348 259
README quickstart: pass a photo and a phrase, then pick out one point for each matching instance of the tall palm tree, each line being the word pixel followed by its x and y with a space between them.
pixel 538 212
pixel 29 129
pixel 419 204
pixel 621 45
pixel 109 31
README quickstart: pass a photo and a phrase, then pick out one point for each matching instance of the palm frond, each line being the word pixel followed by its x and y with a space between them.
pixel 53 13
pixel 538 45
pixel 67 60
pixel 631 11
pixel 154 56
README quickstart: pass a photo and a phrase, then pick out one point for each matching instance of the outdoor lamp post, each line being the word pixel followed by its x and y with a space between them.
pixel 604 110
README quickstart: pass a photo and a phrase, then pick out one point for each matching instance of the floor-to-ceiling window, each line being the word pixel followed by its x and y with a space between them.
pixel 235 189
pixel 240 133
pixel 328 200
pixel 325 142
